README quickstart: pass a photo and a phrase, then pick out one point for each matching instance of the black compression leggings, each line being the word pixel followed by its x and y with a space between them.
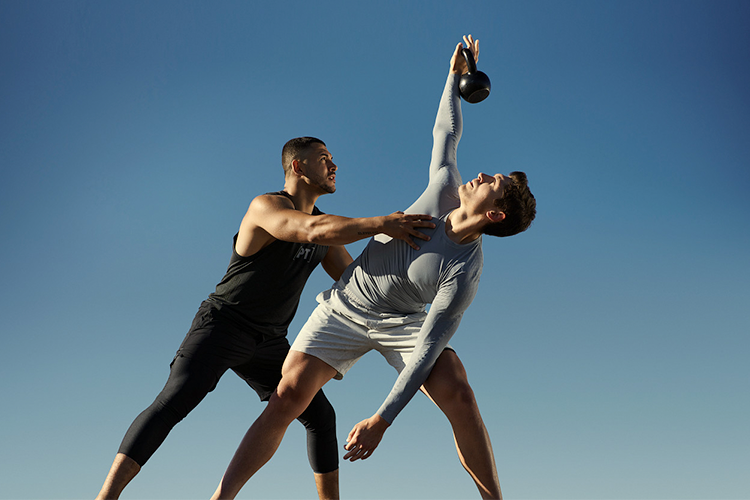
pixel 188 384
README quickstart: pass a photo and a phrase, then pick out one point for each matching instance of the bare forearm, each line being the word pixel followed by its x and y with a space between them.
pixel 337 230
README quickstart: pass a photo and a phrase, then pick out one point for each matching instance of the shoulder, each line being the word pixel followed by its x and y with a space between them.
pixel 269 202
pixel 466 264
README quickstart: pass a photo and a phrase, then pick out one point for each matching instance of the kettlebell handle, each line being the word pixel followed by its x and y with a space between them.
pixel 469 60
pixel 473 86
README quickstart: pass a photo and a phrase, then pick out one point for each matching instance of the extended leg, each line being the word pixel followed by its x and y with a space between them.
pixel 303 376
pixel 449 388
pixel 187 385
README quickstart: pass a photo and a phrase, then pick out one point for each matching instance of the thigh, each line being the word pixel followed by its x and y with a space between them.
pixel 447 372
pixel 334 339
pixel 217 342
pixel 262 372
pixel 188 383
pixel 448 381
pixel 303 376
pixel 305 373
pixel 396 343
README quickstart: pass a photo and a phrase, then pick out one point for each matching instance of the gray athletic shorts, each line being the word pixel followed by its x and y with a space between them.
pixel 339 332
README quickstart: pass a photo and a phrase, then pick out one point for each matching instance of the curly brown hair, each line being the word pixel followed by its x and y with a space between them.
pixel 518 205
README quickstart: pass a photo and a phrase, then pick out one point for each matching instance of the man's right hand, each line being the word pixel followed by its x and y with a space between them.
pixel 403 227
pixel 458 63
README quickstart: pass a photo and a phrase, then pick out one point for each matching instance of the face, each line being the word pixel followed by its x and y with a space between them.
pixel 481 192
pixel 319 168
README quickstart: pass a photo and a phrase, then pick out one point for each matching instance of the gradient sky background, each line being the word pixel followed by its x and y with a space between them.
pixel 608 346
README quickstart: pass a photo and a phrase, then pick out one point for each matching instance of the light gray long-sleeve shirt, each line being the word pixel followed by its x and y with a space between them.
pixel 390 279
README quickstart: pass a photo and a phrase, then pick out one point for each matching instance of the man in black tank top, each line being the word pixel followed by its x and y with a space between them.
pixel 242 326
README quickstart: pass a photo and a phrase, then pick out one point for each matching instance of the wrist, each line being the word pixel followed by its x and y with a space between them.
pixel 379 421
pixel 380 224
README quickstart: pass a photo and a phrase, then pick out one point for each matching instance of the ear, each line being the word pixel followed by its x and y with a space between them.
pixel 296 168
pixel 495 216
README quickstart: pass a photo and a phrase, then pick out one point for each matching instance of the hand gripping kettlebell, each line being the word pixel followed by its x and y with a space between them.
pixel 474 86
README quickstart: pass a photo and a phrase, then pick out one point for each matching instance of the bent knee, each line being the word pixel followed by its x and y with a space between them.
pixel 448 383
pixel 319 416
pixel 288 401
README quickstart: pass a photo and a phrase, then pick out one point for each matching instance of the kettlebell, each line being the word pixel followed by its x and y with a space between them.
pixel 474 86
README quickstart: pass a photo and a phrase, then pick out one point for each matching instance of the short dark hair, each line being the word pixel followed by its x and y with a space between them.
pixel 518 205
pixel 295 149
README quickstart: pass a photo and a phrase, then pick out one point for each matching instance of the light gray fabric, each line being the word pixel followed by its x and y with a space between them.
pixel 390 279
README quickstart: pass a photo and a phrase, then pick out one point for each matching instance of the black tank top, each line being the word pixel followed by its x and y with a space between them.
pixel 261 292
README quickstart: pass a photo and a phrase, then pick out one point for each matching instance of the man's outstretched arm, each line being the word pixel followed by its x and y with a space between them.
pixel 272 217
pixel 441 323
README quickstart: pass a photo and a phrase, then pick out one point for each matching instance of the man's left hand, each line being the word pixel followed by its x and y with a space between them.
pixel 365 437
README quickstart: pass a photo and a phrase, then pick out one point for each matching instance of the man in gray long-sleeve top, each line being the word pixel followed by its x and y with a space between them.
pixel 379 303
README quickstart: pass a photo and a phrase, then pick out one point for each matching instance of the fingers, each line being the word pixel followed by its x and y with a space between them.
pixel 357 452
pixel 413 233
pixel 405 227
pixel 420 221
pixel 472 45
pixel 411 243
pixel 419 217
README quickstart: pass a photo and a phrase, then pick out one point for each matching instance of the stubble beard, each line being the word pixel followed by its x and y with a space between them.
pixel 326 185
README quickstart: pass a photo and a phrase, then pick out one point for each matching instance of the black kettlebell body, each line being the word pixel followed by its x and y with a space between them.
pixel 474 86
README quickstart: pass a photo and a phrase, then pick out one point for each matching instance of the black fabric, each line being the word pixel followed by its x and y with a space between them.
pixel 189 382
pixel 262 291
pixel 242 326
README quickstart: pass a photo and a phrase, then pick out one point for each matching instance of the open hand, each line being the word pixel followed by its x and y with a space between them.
pixel 403 227
pixel 365 437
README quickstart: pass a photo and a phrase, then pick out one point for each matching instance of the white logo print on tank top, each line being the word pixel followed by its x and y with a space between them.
pixel 304 253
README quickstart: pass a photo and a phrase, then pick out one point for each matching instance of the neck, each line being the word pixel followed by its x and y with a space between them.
pixel 462 227
pixel 304 199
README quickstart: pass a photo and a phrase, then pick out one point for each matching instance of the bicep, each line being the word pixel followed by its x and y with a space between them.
pixel 278 217
pixel 269 218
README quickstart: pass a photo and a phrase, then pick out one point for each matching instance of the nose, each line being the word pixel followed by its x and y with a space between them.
pixel 483 177
pixel 332 166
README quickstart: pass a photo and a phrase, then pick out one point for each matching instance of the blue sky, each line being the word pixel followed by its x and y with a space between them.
pixel 607 346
